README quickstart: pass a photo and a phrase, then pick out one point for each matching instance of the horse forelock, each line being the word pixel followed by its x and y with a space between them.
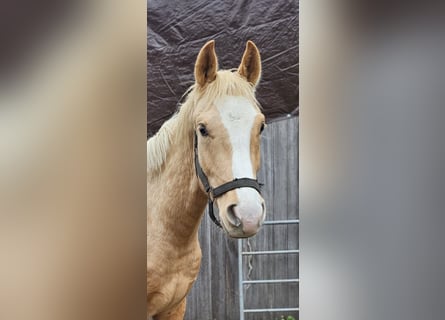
pixel 180 127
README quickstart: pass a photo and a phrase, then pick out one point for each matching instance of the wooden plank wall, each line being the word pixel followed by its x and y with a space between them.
pixel 215 294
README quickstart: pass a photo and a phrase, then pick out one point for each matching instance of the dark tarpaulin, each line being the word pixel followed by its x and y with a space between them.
pixel 178 29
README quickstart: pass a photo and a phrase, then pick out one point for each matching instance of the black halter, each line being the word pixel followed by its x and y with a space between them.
pixel 214 193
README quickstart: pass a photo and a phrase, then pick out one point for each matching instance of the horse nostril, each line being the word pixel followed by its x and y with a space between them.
pixel 231 216
pixel 263 212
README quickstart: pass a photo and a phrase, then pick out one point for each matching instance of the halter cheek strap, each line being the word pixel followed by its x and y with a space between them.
pixel 214 193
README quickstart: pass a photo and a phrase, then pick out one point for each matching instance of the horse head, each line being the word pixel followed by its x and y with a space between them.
pixel 228 123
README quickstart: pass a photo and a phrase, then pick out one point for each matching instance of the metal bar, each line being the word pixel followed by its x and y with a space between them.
pixel 240 280
pixel 246 253
pixel 281 222
pixel 271 310
pixel 271 281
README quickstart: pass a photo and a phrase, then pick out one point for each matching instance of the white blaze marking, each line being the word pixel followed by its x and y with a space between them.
pixel 238 116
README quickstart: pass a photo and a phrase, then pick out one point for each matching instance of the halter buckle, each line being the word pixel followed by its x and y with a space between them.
pixel 209 192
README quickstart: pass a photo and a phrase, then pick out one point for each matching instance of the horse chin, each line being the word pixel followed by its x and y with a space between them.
pixel 237 233
pixel 241 236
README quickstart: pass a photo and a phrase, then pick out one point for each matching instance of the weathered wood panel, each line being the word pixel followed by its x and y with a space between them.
pixel 215 293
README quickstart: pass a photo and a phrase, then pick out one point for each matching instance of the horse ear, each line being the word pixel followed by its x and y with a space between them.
pixel 250 67
pixel 206 64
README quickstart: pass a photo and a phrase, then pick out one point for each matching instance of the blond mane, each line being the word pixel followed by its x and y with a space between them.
pixel 180 126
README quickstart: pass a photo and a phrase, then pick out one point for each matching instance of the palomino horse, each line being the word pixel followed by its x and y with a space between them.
pixel 208 151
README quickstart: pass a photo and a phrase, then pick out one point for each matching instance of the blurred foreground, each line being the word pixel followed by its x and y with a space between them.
pixel 372 154
pixel 72 160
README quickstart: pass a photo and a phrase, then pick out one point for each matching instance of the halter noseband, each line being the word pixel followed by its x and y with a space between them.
pixel 214 193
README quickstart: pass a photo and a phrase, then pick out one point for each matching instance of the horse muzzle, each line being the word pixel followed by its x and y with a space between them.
pixel 244 218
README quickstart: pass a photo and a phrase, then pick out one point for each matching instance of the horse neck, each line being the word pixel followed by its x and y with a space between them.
pixel 183 201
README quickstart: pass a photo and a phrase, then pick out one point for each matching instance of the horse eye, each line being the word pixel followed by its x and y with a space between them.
pixel 202 129
pixel 262 127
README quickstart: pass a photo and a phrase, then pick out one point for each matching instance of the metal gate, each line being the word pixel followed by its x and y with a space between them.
pixel 242 282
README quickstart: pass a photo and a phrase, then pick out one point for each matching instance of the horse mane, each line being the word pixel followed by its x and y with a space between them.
pixel 180 125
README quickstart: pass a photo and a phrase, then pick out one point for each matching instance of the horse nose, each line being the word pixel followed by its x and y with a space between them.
pixel 248 218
